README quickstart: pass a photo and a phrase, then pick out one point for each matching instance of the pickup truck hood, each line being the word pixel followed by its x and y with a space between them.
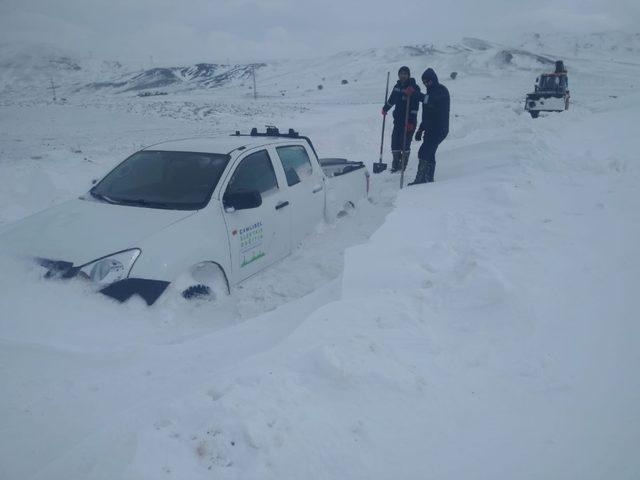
pixel 80 231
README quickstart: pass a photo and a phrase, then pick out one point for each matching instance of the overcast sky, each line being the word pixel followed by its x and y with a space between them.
pixel 187 31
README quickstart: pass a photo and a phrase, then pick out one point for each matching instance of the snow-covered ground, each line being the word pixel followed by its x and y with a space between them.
pixel 484 326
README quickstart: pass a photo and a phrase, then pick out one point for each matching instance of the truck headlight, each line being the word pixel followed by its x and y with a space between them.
pixel 110 269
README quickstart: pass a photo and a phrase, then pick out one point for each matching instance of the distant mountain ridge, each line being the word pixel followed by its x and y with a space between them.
pixel 201 75
pixel 27 72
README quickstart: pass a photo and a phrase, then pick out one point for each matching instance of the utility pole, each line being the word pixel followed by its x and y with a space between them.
pixel 253 72
pixel 53 89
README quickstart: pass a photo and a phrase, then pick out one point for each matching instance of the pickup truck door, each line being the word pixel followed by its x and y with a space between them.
pixel 306 183
pixel 257 236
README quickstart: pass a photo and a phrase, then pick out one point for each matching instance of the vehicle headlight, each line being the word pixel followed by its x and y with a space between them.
pixel 113 268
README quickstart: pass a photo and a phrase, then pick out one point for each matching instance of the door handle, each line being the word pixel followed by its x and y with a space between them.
pixel 317 188
pixel 281 205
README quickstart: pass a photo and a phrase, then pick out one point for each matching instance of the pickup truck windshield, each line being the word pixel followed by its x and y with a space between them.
pixel 552 82
pixel 160 179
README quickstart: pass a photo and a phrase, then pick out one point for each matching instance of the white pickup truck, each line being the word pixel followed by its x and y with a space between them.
pixel 551 92
pixel 199 214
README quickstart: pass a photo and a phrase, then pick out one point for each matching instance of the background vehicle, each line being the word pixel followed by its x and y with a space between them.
pixel 202 214
pixel 551 92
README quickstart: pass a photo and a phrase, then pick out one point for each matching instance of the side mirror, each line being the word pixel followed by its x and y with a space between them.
pixel 242 200
pixel 94 181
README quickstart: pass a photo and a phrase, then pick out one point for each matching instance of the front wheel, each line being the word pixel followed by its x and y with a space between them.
pixel 205 281
pixel 202 283
pixel 195 292
pixel 534 113
pixel 347 209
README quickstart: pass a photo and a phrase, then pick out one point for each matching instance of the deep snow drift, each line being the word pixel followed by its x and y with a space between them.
pixel 484 326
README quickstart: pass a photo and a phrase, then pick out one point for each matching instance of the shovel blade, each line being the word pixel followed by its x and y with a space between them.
pixel 379 167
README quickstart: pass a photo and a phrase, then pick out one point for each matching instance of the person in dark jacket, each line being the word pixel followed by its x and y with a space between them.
pixel 434 126
pixel 405 88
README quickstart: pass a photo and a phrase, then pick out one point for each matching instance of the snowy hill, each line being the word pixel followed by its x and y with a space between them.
pixel 484 326
pixel 614 46
pixel 26 73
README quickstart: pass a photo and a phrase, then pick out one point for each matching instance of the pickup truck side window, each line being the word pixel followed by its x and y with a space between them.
pixel 296 163
pixel 255 172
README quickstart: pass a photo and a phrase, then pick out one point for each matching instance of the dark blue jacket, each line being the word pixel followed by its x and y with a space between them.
pixel 399 99
pixel 435 109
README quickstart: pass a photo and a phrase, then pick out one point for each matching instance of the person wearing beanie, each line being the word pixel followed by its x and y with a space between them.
pixel 405 89
pixel 434 126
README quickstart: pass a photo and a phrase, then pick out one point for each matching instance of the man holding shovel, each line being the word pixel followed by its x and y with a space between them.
pixel 404 98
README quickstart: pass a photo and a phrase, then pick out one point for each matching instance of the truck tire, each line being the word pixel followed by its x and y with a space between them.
pixel 205 281
pixel 534 113
pixel 196 291
pixel 346 210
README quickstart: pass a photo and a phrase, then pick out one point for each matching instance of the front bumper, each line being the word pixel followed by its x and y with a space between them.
pixel 545 102
pixel 122 290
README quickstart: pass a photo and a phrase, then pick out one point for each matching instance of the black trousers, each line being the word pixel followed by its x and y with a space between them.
pixel 427 159
pixel 397 136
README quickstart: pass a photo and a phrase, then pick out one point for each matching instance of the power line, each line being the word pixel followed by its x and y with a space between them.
pixel 53 89
pixel 253 72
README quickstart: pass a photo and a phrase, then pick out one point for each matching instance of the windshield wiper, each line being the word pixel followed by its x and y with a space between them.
pixel 145 203
pixel 141 202
pixel 104 198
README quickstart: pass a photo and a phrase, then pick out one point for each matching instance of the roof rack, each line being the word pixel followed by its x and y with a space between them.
pixel 273 131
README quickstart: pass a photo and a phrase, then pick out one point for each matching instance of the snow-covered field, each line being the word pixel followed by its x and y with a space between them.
pixel 484 326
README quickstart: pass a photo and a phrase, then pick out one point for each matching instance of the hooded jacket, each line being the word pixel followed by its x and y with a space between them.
pixel 399 99
pixel 435 108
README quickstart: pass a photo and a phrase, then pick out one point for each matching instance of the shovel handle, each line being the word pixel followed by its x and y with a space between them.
pixel 403 155
pixel 384 119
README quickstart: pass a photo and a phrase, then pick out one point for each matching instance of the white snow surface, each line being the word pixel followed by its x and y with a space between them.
pixel 484 326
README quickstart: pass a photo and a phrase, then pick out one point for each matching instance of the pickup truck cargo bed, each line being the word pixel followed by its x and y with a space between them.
pixel 334 167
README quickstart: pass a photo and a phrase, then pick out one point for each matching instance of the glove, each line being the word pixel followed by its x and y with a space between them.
pixel 410 127
pixel 384 112
pixel 409 91
pixel 418 135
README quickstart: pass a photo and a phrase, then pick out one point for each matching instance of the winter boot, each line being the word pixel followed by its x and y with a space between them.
pixel 421 175
pixel 395 165
pixel 430 171
pixel 420 179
